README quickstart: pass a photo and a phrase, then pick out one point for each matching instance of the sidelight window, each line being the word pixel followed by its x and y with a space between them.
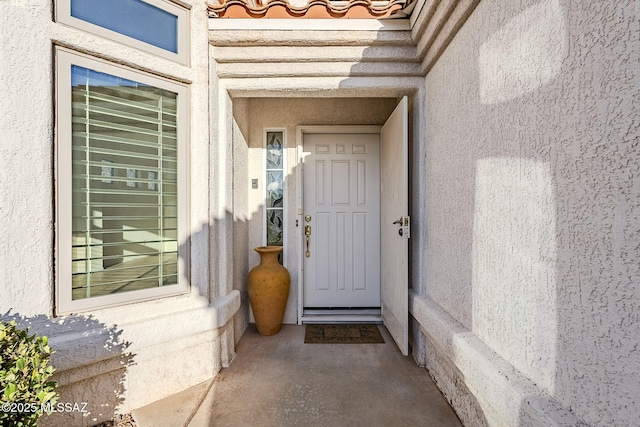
pixel 275 173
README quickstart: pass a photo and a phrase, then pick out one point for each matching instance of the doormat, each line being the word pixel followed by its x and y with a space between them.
pixel 342 334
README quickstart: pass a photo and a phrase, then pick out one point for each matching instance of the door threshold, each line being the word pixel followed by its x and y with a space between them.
pixel 341 316
pixel 340 311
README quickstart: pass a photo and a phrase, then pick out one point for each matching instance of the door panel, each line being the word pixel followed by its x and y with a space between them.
pixel 341 180
pixel 394 207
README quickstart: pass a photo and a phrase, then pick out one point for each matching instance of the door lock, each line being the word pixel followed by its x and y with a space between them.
pixel 307 218
pixel 405 226
pixel 307 233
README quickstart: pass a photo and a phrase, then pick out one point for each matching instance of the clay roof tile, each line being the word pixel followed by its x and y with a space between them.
pixel 312 9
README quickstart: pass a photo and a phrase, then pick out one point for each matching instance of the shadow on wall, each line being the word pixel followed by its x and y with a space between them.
pixel 531 144
pixel 439 366
pixel 229 257
pixel 94 398
pixel 222 321
pixel 436 361
pixel 97 373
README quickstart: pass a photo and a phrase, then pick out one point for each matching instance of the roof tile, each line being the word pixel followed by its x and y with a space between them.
pixel 312 9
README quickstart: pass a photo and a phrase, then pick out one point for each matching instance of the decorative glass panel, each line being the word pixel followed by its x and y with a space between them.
pixel 124 178
pixel 133 18
pixel 274 150
pixel 274 189
pixel 275 224
pixel 274 192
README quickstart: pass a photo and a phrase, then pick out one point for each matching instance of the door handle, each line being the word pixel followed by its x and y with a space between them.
pixel 405 226
pixel 307 233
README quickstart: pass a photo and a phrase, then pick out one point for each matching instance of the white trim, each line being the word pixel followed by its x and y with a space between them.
pixel 300 132
pixel 309 24
pixel 284 189
pixel 63 16
pixel 65 58
pixel 299 218
pixel 416 11
pixel 341 318
pixel 322 87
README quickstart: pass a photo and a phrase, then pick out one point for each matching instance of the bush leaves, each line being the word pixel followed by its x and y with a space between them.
pixel 24 375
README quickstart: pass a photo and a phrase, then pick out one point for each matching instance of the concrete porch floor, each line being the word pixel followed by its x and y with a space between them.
pixel 280 381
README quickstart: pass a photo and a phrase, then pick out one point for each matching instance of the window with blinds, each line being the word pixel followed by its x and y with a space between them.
pixel 125 190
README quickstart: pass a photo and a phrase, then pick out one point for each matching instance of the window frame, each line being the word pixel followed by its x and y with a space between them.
pixel 63 16
pixel 65 58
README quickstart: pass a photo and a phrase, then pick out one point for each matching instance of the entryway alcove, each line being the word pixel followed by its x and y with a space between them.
pixel 327 118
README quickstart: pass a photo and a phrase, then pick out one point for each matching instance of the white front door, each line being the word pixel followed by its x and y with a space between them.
pixel 341 221
pixel 395 219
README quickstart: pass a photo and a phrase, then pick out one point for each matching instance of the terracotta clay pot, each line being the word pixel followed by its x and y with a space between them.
pixel 268 286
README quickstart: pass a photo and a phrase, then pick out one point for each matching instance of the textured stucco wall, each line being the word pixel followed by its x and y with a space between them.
pixel 26 123
pixel 119 358
pixel 287 113
pixel 241 216
pixel 533 196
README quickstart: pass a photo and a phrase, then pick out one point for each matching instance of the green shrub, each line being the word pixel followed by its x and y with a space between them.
pixel 25 390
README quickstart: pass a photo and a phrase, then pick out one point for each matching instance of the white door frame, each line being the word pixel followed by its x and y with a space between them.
pixel 300 132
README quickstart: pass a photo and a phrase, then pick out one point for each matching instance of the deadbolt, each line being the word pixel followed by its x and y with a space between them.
pixel 307 218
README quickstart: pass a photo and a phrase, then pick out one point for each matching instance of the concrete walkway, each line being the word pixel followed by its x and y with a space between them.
pixel 280 381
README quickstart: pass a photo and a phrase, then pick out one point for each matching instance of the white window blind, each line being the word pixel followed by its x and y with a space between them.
pixel 124 157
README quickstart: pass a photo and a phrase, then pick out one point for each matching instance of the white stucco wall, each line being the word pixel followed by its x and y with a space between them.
pixel 532 214
pixel 124 357
pixel 525 198
pixel 26 212
pixel 241 214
